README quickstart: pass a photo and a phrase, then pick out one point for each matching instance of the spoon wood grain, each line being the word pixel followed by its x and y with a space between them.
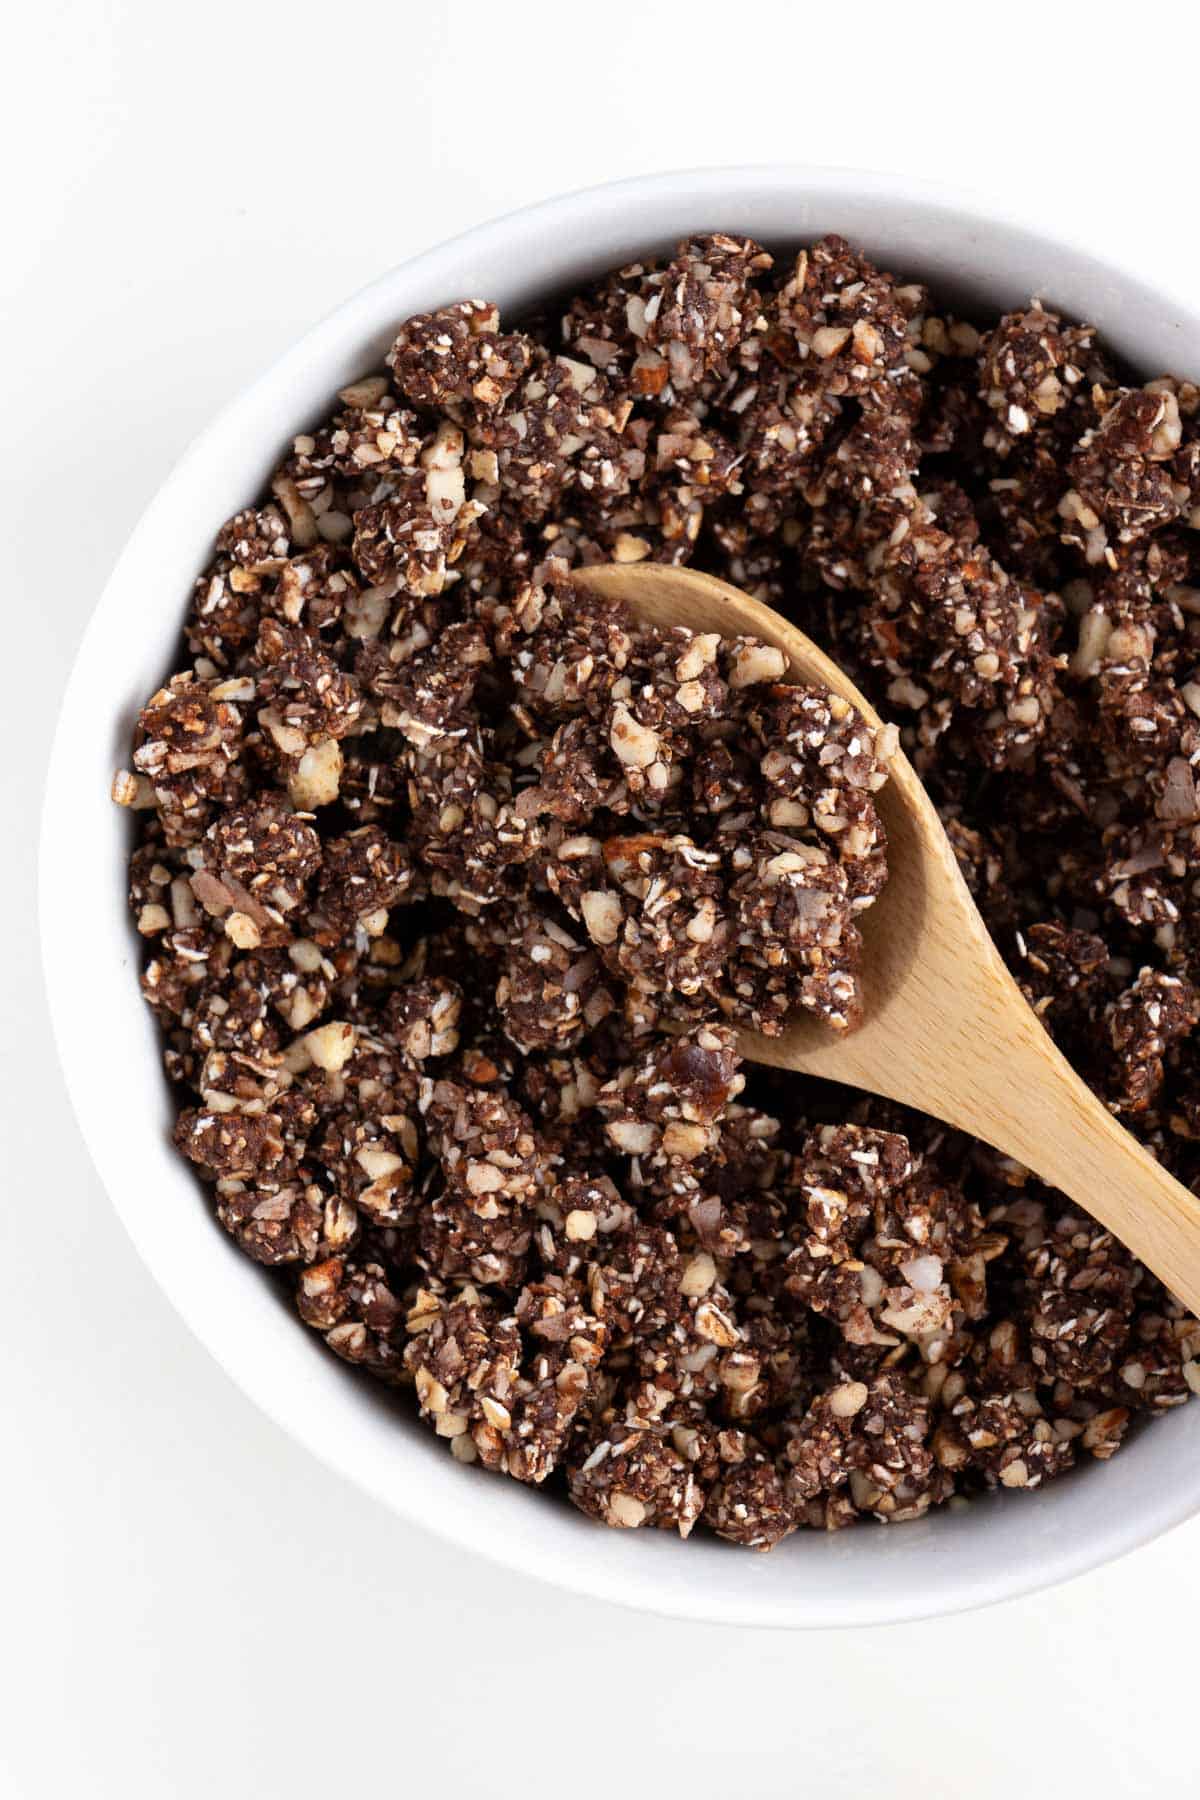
pixel 945 1027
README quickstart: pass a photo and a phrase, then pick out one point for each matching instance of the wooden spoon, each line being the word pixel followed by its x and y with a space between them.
pixel 945 1029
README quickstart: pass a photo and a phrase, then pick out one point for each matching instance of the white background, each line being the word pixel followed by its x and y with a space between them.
pixel 189 1606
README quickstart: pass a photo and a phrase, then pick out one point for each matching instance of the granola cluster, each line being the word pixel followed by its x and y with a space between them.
pixel 455 885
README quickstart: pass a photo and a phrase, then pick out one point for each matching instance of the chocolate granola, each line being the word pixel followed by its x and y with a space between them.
pixel 455 884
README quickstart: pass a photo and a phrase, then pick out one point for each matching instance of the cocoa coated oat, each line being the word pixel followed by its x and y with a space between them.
pixel 454 884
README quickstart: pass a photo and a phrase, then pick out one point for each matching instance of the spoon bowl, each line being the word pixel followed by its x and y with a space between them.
pixel 945 1027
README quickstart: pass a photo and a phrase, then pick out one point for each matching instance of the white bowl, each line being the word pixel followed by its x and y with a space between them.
pixel 999 1546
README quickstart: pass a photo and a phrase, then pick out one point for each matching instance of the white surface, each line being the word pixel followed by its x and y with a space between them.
pixel 1010 1545
pixel 192 1606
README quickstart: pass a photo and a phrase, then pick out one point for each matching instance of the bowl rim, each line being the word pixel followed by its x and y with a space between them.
pixel 1163 1508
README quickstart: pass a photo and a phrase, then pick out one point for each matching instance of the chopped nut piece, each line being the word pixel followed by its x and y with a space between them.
pixel 317 777
pixel 332 1046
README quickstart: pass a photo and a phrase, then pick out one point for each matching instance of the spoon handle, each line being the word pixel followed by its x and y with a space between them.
pixel 1031 1104
pixel 974 1054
